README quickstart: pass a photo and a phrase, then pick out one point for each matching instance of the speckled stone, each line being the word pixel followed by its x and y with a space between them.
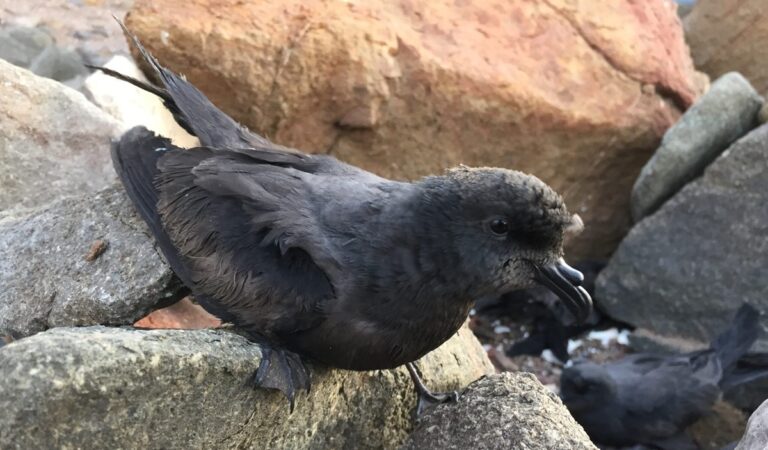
pixel 53 141
pixel 502 411
pixel 728 111
pixel 756 436
pixel 125 388
pixel 46 281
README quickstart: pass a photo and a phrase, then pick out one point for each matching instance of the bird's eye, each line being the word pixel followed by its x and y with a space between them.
pixel 499 226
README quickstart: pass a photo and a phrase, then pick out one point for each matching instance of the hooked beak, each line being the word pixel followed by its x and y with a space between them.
pixel 565 282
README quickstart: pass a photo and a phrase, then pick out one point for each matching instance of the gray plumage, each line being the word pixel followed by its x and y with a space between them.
pixel 647 399
pixel 317 258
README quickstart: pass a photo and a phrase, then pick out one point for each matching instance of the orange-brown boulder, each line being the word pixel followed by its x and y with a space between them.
pixel 577 93
pixel 730 35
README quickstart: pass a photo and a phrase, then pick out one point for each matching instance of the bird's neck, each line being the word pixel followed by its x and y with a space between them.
pixel 434 243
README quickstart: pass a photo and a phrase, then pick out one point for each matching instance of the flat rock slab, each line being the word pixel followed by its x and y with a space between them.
pixel 728 111
pixel 683 271
pixel 53 141
pixel 502 411
pixel 118 387
pixel 81 261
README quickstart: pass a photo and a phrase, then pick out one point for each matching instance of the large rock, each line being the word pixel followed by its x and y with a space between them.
pixel 81 261
pixel 728 35
pixel 756 436
pixel 87 387
pixel 685 270
pixel 505 411
pixel 728 111
pixel 53 142
pixel 576 93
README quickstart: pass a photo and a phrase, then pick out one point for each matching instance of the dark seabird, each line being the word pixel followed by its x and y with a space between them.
pixel 317 259
pixel 647 399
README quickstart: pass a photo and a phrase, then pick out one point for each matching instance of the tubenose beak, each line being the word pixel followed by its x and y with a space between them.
pixel 565 282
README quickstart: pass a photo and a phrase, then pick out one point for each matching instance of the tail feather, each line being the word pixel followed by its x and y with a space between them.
pixel 190 108
pixel 736 341
pixel 751 367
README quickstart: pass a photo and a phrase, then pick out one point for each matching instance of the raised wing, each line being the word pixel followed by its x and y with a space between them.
pixel 664 394
pixel 235 229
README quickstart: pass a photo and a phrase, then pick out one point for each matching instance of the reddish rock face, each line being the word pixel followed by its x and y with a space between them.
pixel 577 93
pixel 182 315
pixel 730 35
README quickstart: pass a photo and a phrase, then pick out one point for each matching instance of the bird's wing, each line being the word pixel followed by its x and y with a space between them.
pixel 249 236
pixel 236 228
pixel 663 394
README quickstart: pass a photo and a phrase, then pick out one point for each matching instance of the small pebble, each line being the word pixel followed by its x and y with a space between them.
pixel 97 248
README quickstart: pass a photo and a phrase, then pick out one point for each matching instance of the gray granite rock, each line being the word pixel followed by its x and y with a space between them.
pixel 725 113
pixel 58 64
pixel 683 271
pixel 756 436
pixel 34 49
pixel 53 142
pixel 502 411
pixel 81 261
pixel 21 45
pixel 122 388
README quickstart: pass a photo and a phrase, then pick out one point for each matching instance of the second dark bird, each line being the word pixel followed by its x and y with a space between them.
pixel 317 259
pixel 649 400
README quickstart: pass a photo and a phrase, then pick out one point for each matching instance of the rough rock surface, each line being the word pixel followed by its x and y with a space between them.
pixel 46 279
pixel 86 26
pixel 756 436
pixel 503 411
pixel 53 142
pixel 728 35
pixel 725 113
pixel 685 270
pixel 132 106
pixel 574 92
pixel 72 388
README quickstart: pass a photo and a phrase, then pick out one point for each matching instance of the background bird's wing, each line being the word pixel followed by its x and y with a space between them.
pixel 663 394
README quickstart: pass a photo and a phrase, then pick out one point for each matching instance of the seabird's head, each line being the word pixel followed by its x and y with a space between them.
pixel 584 386
pixel 508 228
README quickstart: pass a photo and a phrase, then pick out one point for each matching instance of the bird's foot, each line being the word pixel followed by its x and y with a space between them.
pixel 281 370
pixel 426 398
pixel 429 399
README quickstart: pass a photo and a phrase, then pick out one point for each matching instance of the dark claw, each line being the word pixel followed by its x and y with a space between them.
pixel 283 371
pixel 427 398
